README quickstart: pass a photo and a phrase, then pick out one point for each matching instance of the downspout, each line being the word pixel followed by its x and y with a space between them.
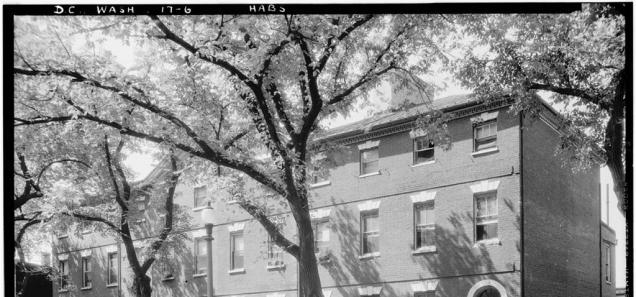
pixel 521 197
pixel 119 268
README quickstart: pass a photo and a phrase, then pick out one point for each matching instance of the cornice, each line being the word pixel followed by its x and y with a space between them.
pixel 410 123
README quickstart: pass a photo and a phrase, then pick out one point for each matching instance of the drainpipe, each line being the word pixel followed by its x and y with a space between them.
pixel 118 268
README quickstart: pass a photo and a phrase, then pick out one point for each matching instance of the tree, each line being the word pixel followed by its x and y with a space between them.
pixel 277 77
pixel 579 59
pixel 61 198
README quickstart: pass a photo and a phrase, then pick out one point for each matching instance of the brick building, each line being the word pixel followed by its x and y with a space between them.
pixel 495 215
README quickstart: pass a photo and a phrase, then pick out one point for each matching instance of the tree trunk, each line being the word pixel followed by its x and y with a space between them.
pixel 141 286
pixel 308 277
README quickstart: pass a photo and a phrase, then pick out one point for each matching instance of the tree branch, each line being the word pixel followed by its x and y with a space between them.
pixel 271 229
pixel 169 207
pixel 233 70
pixel 331 44
pixel 571 92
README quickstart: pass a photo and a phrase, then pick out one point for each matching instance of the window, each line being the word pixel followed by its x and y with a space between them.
pixel 369 161
pixel 608 263
pixel 274 253
pixel 201 259
pixel 167 270
pixel 236 250
pixel 370 232
pixel 485 136
pixel 63 275
pixel 485 216
pixel 86 273
pixel 141 206
pixel 424 224
pixel 423 150
pixel 321 235
pixel 113 268
pixel 200 196
pixel 489 292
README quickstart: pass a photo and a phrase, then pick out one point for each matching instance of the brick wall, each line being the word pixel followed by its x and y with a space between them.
pixel 561 220
pixel 458 263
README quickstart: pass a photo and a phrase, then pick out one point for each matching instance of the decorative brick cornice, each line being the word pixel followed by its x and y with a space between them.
pixel 410 124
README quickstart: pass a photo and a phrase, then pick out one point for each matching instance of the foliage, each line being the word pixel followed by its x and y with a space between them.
pixel 223 89
pixel 577 59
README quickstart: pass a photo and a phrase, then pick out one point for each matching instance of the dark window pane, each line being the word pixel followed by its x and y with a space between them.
pixel 486 231
pixel 489 292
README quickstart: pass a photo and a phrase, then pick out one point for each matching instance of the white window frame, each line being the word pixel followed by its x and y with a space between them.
pixel 488 218
pixel 200 269
pixel 364 234
pixel 63 266
pixel 430 147
pixel 274 253
pixel 364 173
pixel 166 268
pixel 233 266
pixel 318 243
pixel 87 270
pixel 196 198
pixel 418 226
pixel 476 141
pixel 109 266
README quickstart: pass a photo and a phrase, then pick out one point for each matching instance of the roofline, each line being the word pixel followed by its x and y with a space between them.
pixel 396 122
pixel 448 109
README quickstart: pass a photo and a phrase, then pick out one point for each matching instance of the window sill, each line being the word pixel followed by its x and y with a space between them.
pixel 492 241
pixel 199 275
pixel 62 237
pixel 167 279
pixel 369 256
pixel 369 174
pixel 425 250
pixel 236 271
pixel 198 208
pixel 485 152
pixel 275 267
pixel 230 202
pixel 423 163
pixel 320 184
pixel 63 291
pixel 86 288
pixel 111 285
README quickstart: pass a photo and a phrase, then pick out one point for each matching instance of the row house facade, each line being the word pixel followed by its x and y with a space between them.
pixel 496 214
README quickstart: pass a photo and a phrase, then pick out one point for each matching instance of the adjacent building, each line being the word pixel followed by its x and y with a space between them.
pixel 496 214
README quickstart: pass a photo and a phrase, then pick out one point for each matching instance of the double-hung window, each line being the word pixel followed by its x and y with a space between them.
pixel 369 161
pixel 370 232
pixel 236 250
pixel 485 136
pixel 113 269
pixel 486 220
pixel 423 150
pixel 201 258
pixel 274 252
pixel 424 224
pixel 200 196
pixel 87 282
pixel 608 263
pixel 63 275
pixel 321 235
